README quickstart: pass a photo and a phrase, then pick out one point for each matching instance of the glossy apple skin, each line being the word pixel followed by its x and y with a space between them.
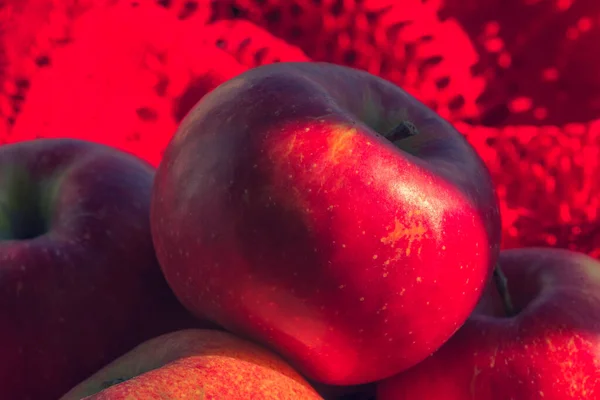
pixel 89 288
pixel 196 364
pixel 279 212
pixel 549 350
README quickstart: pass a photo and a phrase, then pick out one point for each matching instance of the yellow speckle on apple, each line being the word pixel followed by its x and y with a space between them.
pixel 340 143
pixel 413 231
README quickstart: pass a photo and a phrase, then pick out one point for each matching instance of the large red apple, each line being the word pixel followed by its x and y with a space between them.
pixel 327 213
pixel 545 344
pixel 196 364
pixel 79 281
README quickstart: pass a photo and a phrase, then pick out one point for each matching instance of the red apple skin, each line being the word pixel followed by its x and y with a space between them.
pixel 196 364
pixel 550 350
pixel 280 213
pixel 89 288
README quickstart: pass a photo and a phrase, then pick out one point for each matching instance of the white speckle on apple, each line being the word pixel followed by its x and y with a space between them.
pixel 419 279
pixel 341 286
pixel 362 299
pixel 375 257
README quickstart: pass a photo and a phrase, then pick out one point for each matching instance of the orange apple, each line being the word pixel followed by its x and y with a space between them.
pixel 196 364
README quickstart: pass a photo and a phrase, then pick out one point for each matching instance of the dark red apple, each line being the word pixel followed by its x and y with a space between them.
pixel 544 344
pixel 196 364
pixel 327 213
pixel 79 280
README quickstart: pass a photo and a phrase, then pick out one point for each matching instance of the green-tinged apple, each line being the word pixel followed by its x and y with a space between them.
pixel 535 337
pixel 79 280
pixel 326 213
pixel 196 364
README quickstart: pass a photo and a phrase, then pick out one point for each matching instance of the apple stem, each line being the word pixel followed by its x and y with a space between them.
pixel 401 131
pixel 502 286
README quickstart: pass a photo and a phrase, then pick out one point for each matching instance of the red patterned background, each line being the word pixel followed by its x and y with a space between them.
pixel 520 79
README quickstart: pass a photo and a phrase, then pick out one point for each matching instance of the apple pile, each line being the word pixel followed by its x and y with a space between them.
pixel 312 232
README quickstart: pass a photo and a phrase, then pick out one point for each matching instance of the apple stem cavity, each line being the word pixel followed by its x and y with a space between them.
pixel 401 131
pixel 22 213
pixel 502 287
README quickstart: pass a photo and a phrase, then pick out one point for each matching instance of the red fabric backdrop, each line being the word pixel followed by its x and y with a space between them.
pixel 518 77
